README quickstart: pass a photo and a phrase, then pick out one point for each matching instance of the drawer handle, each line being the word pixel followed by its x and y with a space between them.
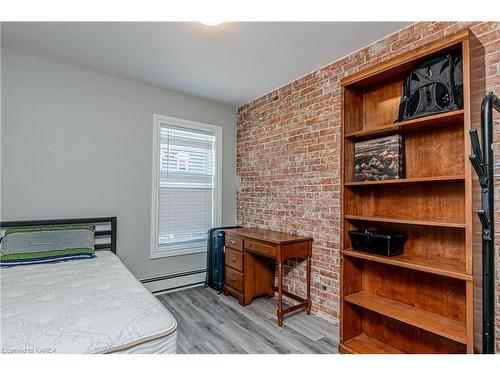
pixel 233 259
pixel 232 279
pixel 232 242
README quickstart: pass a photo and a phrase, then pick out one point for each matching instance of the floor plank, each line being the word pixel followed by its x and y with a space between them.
pixel 213 323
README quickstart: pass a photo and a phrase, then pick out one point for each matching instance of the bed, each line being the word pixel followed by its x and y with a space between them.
pixel 82 306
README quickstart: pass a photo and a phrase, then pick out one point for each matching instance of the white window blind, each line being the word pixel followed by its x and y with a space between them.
pixel 187 183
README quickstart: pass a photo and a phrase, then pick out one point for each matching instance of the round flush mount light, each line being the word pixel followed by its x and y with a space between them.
pixel 211 22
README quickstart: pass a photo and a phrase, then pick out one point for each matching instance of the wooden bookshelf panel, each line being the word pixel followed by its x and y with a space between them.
pixel 432 299
pixel 353 116
pixel 430 153
pixel 437 152
pixel 402 181
pixel 349 161
pixel 373 101
pixel 444 267
pixel 430 322
pixel 373 107
pixel 381 103
pixel 376 108
pixel 437 121
pixel 442 245
pixel 433 202
pixel 352 318
pixel 364 344
pixel 379 334
pixel 407 338
pixel 431 293
pixel 402 65
pixel 379 219
pixel 353 283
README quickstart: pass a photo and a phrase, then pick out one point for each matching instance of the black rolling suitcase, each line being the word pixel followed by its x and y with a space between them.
pixel 215 258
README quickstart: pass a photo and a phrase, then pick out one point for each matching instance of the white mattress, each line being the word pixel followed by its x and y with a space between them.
pixel 82 306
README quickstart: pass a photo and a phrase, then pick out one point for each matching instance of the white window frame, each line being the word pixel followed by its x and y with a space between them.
pixel 194 125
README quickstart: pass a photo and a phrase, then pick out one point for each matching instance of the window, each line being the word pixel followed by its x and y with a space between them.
pixel 186 185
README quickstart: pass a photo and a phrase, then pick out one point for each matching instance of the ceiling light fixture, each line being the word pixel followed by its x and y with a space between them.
pixel 211 22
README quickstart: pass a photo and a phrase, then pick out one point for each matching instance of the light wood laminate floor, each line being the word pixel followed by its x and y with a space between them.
pixel 213 323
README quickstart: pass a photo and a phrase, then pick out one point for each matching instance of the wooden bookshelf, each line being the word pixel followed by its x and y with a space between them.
pixel 423 300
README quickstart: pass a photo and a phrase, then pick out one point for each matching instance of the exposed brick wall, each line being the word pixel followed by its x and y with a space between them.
pixel 288 155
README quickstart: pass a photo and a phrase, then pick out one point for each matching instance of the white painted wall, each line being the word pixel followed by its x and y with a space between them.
pixel 76 143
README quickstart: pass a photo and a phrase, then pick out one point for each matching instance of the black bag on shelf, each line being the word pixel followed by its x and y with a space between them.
pixel 434 86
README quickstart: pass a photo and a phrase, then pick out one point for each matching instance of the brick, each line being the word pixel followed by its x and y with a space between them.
pixel 288 157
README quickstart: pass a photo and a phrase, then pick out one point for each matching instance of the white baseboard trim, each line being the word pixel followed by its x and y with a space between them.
pixel 167 291
pixel 170 283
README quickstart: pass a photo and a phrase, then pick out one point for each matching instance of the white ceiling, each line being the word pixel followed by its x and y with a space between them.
pixel 232 63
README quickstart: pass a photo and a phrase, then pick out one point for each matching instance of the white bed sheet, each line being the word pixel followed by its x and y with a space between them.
pixel 82 306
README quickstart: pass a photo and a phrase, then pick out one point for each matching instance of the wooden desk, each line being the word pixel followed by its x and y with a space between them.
pixel 250 256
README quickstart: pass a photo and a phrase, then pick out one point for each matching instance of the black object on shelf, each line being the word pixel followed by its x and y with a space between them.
pixel 482 161
pixel 388 244
pixel 435 86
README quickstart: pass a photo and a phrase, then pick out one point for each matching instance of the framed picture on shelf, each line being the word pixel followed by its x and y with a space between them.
pixel 379 159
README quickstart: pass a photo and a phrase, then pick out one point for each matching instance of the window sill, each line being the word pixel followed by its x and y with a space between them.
pixel 178 252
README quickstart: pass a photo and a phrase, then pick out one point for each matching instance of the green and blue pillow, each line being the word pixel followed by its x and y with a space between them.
pixel 21 246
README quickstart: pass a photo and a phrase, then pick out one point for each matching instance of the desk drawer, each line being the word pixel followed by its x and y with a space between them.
pixel 233 242
pixel 234 259
pixel 261 248
pixel 233 278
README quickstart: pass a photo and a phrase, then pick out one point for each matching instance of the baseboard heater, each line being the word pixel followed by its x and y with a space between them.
pixel 172 282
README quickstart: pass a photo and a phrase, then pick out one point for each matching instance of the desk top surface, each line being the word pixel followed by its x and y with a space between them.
pixel 267 235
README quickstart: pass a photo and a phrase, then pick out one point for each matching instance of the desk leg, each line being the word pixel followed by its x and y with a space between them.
pixel 280 293
pixel 308 310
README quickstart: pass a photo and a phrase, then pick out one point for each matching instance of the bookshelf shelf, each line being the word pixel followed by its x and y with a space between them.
pixel 404 181
pixel 366 344
pixel 448 268
pixel 446 327
pixel 424 123
pixel 444 224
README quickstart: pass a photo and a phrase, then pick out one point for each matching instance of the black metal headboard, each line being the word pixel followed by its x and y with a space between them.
pixel 104 238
